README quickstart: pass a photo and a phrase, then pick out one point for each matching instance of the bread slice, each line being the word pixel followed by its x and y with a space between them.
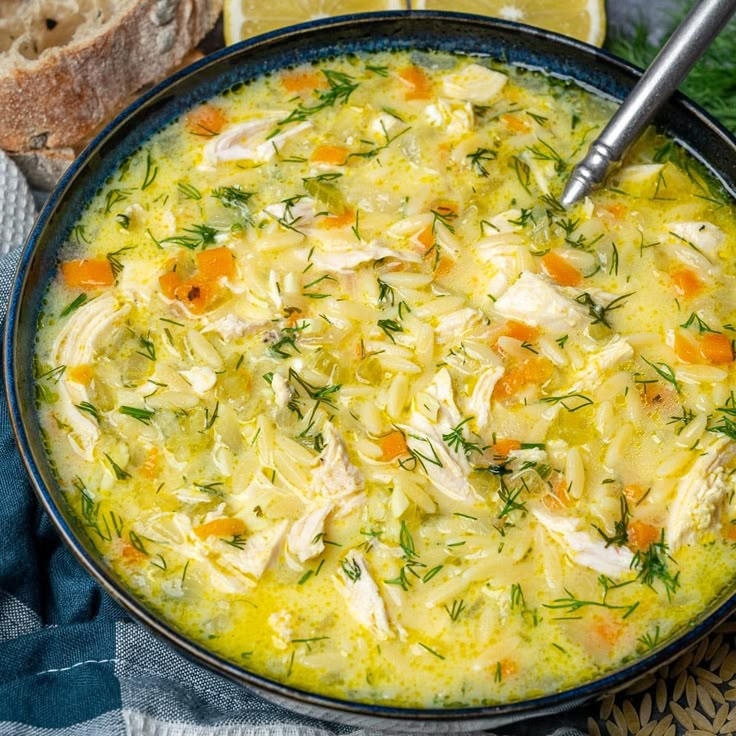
pixel 66 66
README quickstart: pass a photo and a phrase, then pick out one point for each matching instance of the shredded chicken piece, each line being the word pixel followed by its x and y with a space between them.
pixel 76 344
pixel 479 404
pixel 259 552
pixel 231 327
pixel 583 548
pixel 305 536
pixel 535 301
pixel 447 469
pixel 362 596
pixel 250 141
pixel 335 478
pixel 474 83
pixel 701 494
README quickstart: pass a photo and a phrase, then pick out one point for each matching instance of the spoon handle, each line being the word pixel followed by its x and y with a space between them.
pixel 671 65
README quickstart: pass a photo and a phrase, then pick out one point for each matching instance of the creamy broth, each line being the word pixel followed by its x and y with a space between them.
pixel 338 388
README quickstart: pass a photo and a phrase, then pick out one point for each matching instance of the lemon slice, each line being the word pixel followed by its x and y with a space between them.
pixel 581 19
pixel 246 18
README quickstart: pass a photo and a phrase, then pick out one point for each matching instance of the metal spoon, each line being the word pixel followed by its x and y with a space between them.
pixel 671 65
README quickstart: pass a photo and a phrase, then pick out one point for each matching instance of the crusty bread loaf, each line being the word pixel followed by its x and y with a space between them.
pixel 66 66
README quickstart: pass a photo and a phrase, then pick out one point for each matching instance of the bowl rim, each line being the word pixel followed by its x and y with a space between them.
pixel 13 364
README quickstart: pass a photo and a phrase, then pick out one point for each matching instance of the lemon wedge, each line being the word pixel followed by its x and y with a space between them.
pixel 245 18
pixel 581 19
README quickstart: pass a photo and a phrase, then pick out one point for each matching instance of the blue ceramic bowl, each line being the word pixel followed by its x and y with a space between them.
pixel 567 59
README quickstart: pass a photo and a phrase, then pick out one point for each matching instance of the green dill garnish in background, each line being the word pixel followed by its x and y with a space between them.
pixel 712 81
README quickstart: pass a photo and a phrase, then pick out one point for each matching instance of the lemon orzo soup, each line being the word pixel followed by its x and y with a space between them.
pixel 338 388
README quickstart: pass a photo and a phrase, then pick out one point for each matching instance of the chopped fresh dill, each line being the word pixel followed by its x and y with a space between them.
pixel 142 415
pixel 150 174
pixel 72 306
pixel 189 191
pixel 479 157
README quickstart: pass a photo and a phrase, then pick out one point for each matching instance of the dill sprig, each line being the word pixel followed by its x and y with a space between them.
pixel 235 198
pixel 653 564
pixel 341 86
pixel 197 235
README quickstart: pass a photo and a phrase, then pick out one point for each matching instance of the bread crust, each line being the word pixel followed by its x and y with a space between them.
pixel 56 100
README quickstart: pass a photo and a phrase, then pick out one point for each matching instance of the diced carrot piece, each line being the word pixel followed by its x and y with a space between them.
pixel 205 120
pixel 560 270
pixel 195 295
pixel 655 394
pixel 716 348
pixel 687 283
pixel 444 267
pixel 131 553
pixel 531 370
pixel 608 630
pixel 641 535
pixel 617 209
pixel 304 81
pixel 169 283
pixel 418 86
pixel 229 527
pixel 686 348
pixel 82 373
pixel 516 123
pixel 89 273
pixel 729 531
pixel 392 445
pixel 445 207
pixel 426 237
pixel 330 222
pixel 559 498
pixel 332 155
pixel 520 331
pixel 150 464
pixel 502 448
pixel 216 262
pixel 634 492
pixel 508 668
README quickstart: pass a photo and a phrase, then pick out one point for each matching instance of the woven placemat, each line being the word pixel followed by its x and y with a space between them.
pixel 694 695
